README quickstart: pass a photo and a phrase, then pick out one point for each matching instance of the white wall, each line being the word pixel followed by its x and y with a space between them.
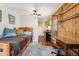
pixel 5 20
pixel 30 21
pixel 27 20
pixel 41 29
pixel 54 25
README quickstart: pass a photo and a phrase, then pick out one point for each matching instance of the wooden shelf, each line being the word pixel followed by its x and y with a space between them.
pixel 63 12
pixel 69 18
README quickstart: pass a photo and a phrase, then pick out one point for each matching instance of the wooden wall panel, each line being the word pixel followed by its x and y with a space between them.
pixel 48 22
pixel 69 27
pixel 66 5
pixel 58 11
pixel 77 29
pixel 77 25
pixel 68 23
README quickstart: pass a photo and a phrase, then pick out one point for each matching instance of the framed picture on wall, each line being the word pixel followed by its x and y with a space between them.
pixel 0 15
pixel 11 19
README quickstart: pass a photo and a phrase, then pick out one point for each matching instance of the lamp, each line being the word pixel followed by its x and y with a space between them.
pixel 49 27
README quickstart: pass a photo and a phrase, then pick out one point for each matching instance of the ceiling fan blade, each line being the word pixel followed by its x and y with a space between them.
pixel 39 14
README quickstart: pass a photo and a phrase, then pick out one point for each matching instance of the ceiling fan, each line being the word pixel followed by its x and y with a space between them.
pixel 35 13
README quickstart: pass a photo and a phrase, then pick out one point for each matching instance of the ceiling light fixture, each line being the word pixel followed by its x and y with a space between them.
pixel 35 13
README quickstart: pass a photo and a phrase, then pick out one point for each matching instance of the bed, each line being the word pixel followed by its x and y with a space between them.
pixel 15 45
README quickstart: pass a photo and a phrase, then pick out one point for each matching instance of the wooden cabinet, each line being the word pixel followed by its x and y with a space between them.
pixel 4 49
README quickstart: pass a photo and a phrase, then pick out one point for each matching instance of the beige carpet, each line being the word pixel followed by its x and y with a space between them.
pixel 35 49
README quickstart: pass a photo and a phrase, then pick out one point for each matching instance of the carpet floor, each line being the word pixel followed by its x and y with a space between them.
pixel 35 49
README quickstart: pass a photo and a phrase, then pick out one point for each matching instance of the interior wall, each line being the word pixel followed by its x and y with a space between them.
pixel 41 29
pixel 30 21
pixel 27 20
pixel 5 20
pixel 54 24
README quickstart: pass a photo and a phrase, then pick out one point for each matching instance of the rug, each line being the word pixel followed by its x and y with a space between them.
pixel 35 49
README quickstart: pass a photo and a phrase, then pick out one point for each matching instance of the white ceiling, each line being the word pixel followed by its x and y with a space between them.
pixel 46 9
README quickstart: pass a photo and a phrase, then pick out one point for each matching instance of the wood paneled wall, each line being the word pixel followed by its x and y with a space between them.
pixel 68 21
pixel 48 22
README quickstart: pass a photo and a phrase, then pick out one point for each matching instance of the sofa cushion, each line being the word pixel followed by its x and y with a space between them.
pixel 9 32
